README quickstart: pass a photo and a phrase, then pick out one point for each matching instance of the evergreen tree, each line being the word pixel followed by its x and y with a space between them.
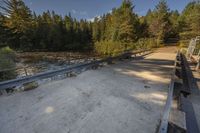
pixel 190 19
pixel 96 30
pixel 111 33
pixel 3 32
pixel 128 23
pixel 160 26
pixel 18 18
pixel 118 30
pixel 174 19
pixel 143 31
pixel 68 22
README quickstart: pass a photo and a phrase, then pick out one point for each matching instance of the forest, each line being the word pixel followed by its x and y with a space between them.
pixel 122 29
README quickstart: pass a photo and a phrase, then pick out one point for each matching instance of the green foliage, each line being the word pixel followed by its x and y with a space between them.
pixel 119 30
pixel 46 32
pixel 127 22
pixel 54 33
pixel 6 34
pixel 19 19
pixel 159 22
pixel 110 33
pixel 124 24
pixel 190 20
pixel 174 20
pixel 7 57
pixel 110 48
pixel 147 43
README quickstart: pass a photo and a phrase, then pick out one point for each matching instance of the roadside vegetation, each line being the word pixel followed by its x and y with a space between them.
pixel 7 61
pixel 110 33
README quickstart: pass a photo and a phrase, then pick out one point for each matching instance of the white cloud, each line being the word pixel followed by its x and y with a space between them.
pixel 74 11
pixel 97 16
pixel 79 12
pixel 92 19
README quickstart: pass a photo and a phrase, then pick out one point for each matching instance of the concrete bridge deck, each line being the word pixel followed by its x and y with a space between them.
pixel 125 97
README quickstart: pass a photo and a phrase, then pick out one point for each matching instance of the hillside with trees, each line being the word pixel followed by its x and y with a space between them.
pixel 112 33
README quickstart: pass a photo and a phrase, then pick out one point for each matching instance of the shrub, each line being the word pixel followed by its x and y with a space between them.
pixel 7 61
pixel 111 48
pixel 147 43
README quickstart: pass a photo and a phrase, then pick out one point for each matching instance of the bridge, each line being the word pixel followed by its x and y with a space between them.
pixel 124 96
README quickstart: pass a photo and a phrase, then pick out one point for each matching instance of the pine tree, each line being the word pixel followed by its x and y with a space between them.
pixel 143 31
pixel 174 19
pixel 128 24
pixel 18 18
pixel 190 18
pixel 96 30
pixel 68 21
pixel 4 32
pixel 160 25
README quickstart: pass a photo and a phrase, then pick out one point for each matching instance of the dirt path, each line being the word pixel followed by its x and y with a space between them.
pixel 126 97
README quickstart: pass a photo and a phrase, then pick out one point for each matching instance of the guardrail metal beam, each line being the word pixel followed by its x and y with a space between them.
pixel 17 82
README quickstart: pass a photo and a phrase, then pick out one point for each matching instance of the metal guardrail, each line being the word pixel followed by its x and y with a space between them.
pixel 28 79
pixel 186 104
pixel 26 67
pixel 164 121
pixel 80 58
pixel 181 70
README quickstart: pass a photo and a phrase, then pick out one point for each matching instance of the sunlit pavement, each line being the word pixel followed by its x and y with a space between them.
pixel 124 97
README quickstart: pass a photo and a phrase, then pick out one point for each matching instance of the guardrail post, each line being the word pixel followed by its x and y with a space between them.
pixel 3 92
pixel 109 60
pixel 25 72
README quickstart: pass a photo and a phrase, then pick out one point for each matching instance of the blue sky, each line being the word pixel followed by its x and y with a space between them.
pixel 88 9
